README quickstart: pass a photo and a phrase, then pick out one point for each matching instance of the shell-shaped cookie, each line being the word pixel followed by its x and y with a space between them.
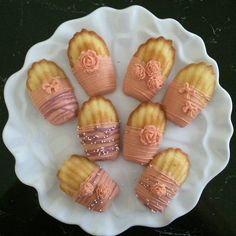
pixel 162 178
pixel 189 93
pixel 51 92
pixel 143 132
pixel 173 162
pixel 74 172
pixel 149 68
pixel 91 63
pixel 98 129
pixel 87 183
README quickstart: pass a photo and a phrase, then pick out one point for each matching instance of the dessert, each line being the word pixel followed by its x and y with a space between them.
pixel 91 63
pixel 98 129
pixel 149 68
pixel 51 92
pixel 162 178
pixel 87 183
pixel 189 93
pixel 143 132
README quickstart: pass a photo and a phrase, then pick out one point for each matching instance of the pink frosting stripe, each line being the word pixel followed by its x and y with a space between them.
pixel 99 192
pixel 97 82
pixel 137 86
pixel 57 107
pixel 134 150
pixel 182 103
pixel 155 189
pixel 100 141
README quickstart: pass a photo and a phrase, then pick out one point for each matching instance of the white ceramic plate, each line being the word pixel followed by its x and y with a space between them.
pixel 39 148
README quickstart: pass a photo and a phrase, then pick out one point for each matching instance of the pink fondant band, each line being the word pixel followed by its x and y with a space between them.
pixel 155 189
pixel 97 191
pixel 57 107
pixel 100 141
pixel 98 81
pixel 182 103
pixel 135 150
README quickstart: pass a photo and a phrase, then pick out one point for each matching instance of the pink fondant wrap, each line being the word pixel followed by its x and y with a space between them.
pixel 99 81
pixel 155 189
pixel 102 190
pixel 143 81
pixel 182 103
pixel 57 107
pixel 136 151
pixel 100 141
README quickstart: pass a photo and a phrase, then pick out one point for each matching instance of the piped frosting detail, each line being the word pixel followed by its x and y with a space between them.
pixel 143 80
pixel 97 191
pixel 55 99
pixel 140 145
pixel 94 73
pixel 155 189
pixel 182 103
pixel 100 141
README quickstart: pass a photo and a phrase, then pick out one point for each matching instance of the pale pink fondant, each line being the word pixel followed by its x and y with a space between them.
pixel 57 107
pixel 143 89
pixel 86 189
pixel 104 191
pixel 100 141
pixel 98 77
pixel 134 150
pixel 155 189
pixel 182 103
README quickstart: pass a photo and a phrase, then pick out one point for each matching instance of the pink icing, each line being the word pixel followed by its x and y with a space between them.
pixel 100 141
pixel 104 191
pixel 52 86
pixel 182 103
pixel 143 81
pixel 95 73
pixel 89 61
pixel 57 107
pixel 153 68
pixel 86 189
pixel 149 135
pixel 140 71
pixel 140 145
pixel 155 189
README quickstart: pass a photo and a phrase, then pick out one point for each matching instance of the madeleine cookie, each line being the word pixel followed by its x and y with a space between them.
pixel 91 63
pixel 149 68
pixel 143 133
pixel 51 92
pixel 87 183
pixel 162 178
pixel 189 93
pixel 99 129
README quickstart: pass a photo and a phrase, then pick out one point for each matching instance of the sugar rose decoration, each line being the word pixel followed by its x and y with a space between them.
pixel 154 82
pixel 102 192
pixel 149 135
pixel 51 86
pixel 89 60
pixel 153 68
pixel 140 71
pixel 86 189
pixel 158 189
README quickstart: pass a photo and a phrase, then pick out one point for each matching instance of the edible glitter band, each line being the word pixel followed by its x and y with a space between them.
pixel 100 141
pixel 155 189
pixel 102 190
